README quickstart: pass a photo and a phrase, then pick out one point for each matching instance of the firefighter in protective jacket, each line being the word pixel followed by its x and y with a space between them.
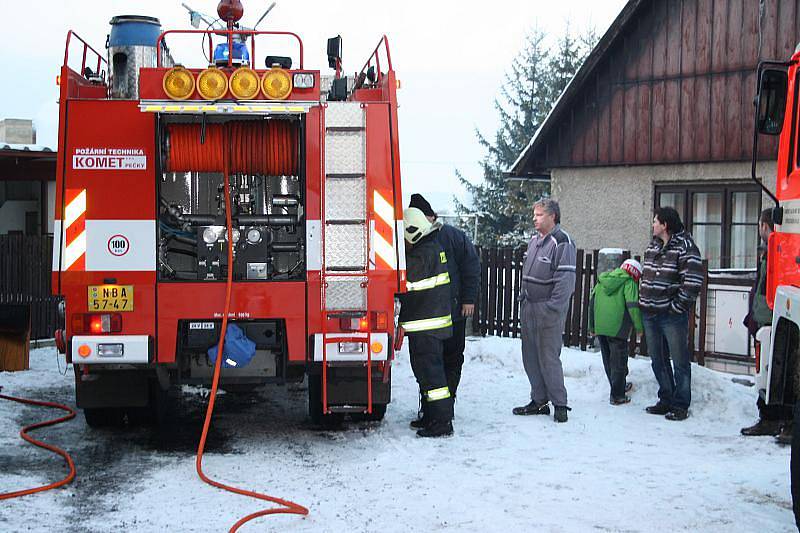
pixel 425 318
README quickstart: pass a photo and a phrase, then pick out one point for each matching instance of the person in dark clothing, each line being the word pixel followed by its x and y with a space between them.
pixel 672 276
pixel 425 318
pixel 772 419
pixel 463 265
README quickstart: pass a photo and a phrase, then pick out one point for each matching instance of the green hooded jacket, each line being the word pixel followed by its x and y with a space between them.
pixel 614 305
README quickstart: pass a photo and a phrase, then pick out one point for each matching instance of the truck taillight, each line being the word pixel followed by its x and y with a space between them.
pixel 376 321
pixel 757 351
pixel 354 324
pixel 89 323
pixel 380 320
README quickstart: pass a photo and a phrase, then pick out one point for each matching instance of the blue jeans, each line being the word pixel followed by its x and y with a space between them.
pixel 667 337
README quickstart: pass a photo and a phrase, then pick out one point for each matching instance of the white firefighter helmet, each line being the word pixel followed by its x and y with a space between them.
pixel 416 224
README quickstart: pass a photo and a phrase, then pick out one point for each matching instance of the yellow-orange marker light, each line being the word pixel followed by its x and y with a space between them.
pixel 376 347
pixel 178 83
pixel 84 350
pixel 212 84
pixel 276 84
pixel 244 83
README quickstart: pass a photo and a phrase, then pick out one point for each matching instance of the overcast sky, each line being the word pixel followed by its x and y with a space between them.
pixel 449 55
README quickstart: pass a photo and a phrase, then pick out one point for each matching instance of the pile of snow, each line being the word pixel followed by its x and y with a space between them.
pixel 609 468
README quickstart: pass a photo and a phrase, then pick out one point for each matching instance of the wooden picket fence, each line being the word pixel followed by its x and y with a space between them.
pixel 498 309
pixel 25 269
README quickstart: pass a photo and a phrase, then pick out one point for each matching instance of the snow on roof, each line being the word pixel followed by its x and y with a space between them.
pixel 25 147
pixel 609 251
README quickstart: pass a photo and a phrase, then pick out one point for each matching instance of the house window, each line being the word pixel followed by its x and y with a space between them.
pixel 723 219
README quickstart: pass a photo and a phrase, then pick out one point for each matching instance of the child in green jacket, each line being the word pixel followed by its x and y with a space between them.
pixel 613 310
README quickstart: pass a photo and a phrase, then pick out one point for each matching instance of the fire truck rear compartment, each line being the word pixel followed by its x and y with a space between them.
pixel 267 188
pixel 268 364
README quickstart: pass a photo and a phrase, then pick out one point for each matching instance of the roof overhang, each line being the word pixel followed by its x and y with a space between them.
pixel 523 167
pixel 27 165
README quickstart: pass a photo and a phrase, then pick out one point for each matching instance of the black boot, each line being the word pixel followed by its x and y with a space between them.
pixel 421 420
pixel 532 408
pixel 561 413
pixel 419 423
pixel 659 408
pixel 677 414
pixel 436 429
pixel 762 427
pixel 785 436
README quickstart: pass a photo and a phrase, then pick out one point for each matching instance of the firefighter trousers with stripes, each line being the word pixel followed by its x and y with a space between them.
pixel 427 362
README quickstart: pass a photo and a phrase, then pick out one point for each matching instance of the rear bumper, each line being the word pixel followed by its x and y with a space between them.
pixel 110 349
pixel 340 351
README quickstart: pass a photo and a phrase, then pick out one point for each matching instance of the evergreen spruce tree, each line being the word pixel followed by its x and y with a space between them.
pixel 537 77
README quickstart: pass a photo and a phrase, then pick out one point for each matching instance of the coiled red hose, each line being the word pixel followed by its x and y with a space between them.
pixel 288 507
pixel 267 147
pixel 55 449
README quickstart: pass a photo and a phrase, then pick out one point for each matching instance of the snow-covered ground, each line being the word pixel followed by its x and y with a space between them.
pixel 607 469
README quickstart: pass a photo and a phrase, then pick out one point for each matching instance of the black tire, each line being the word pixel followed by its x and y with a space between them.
pixel 103 417
pixel 378 412
pixel 240 388
pixel 794 467
pixel 329 421
pixel 161 406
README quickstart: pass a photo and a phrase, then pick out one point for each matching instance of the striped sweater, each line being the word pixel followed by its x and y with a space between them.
pixel 672 275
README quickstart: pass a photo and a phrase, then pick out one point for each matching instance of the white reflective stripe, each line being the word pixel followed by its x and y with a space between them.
pixel 427 323
pixel 442 393
pixel 429 283
pixel 74 250
pixel 313 245
pixel 383 209
pixel 383 249
pixel 75 209
pixel 401 244
pixel 56 245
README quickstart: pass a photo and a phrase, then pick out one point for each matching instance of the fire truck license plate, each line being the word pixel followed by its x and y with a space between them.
pixel 110 297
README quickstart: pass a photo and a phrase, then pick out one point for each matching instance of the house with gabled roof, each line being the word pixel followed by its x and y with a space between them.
pixel 661 114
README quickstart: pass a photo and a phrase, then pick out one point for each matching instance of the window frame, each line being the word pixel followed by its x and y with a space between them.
pixel 726 225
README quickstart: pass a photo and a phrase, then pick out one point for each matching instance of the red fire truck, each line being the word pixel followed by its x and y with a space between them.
pixel 778 345
pixel 142 238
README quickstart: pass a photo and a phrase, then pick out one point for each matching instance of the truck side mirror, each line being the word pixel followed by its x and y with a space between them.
pixel 334 51
pixel 771 101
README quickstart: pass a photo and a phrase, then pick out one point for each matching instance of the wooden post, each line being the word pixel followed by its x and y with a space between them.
pixel 492 310
pixel 585 302
pixel 508 289
pixel 482 311
pixel 574 318
pixel 15 336
pixel 519 255
pixel 701 352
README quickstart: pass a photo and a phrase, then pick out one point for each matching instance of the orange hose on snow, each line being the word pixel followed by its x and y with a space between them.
pixel 55 449
pixel 288 507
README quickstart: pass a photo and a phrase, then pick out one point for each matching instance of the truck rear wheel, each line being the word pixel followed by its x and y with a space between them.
pixel 318 418
pixel 794 467
pixel 100 417
pixel 378 412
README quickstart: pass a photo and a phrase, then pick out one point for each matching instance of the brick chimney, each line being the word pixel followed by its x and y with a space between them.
pixel 17 131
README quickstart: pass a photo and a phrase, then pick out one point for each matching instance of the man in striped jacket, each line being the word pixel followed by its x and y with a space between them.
pixel 671 280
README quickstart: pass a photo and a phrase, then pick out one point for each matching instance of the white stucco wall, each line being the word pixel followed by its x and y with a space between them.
pixel 613 206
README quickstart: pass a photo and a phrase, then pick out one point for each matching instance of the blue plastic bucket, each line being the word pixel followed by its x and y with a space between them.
pixel 134 30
